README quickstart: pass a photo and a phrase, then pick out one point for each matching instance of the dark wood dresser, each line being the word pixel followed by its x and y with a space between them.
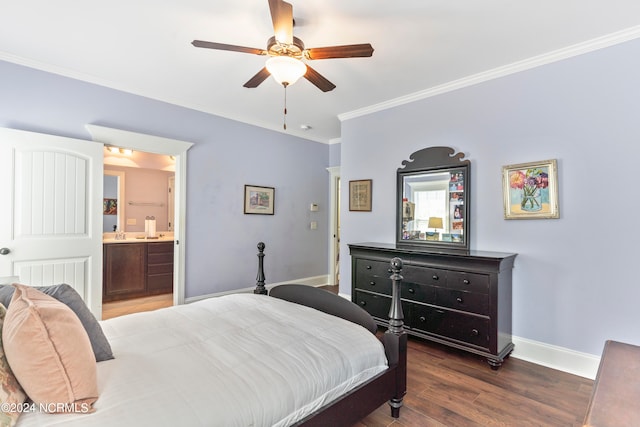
pixel 460 299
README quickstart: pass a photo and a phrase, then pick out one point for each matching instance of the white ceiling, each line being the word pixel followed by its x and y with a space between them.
pixel 421 47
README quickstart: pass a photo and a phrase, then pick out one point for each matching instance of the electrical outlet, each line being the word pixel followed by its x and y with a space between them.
pixel 313 225
pixel 131 221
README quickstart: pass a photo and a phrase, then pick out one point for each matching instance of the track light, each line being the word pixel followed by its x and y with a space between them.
pixel 117 150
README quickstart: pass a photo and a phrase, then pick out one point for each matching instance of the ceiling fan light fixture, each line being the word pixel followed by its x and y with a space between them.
pixel 285 69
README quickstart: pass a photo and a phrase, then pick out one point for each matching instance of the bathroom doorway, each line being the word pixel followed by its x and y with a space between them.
pixel 177 150
pixel 137 231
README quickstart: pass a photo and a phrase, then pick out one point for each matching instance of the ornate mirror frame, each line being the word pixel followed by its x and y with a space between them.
pixel 434 173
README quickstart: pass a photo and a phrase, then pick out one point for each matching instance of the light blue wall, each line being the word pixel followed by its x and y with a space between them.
pixel 221 240
pixel 575 278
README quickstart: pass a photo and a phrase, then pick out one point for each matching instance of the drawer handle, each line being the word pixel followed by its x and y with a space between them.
pixel 435 277
pixel 466 281
pixel 474 333
pixel 363 303
pixel 389 270
pixel 368 267
pixel 372 283
pixel 423 319
pixel 412 291
pixel 459 300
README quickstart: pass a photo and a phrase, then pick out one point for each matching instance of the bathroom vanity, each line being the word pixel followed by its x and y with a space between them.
pixel 134 268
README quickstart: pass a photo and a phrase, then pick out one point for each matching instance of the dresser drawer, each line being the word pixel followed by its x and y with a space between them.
pixel 373 276
pixel 421 317
pixel 416 292
pixel 376 305
pixel 467 328
pixel 471 282
pixel 464 301
pixel 451 325
pixel 424 276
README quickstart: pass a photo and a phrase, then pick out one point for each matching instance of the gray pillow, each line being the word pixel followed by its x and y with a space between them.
pixel 69 296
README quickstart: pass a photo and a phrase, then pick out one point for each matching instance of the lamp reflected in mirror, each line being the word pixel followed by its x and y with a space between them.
pixel 435 223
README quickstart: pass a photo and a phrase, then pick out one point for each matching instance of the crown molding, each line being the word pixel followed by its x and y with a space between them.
pixel 516 67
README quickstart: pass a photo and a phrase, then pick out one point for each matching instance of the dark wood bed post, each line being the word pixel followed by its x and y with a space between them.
pixel 260 289
pixel 395 339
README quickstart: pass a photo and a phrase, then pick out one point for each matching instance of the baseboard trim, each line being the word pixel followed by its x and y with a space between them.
pixel 560 358
pixel 315 281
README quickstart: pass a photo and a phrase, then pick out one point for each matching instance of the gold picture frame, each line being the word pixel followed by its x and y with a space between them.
pixel 360 195
pixel 530 190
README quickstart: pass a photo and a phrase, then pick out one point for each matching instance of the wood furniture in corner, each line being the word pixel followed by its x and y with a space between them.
pixel 615 398
pixel 136 269
pixel 460 299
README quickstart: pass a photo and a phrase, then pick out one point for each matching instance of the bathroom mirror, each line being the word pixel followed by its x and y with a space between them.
pixel 113 202
pixel 433 209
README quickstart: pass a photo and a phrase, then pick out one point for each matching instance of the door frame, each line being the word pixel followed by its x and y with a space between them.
pixel 121 204
pixel 169 147
pixel 334 221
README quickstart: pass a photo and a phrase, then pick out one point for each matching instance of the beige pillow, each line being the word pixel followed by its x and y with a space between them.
pixel 11 394
pixel 49 352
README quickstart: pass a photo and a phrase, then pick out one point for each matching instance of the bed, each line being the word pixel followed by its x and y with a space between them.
pixel 247 360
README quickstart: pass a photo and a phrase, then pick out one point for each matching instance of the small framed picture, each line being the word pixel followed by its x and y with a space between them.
pixel 360 195
pixel 530 190
pixel 259 200
pixel 110 206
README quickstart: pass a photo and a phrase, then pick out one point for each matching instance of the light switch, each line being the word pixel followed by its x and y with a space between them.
pixel 313 207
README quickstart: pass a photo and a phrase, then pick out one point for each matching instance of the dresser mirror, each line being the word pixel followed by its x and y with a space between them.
pixel 433 200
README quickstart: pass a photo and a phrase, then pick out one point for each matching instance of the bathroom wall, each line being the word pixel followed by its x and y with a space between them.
pixel 146 194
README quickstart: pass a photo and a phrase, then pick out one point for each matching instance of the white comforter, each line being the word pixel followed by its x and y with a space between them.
pixel 237 360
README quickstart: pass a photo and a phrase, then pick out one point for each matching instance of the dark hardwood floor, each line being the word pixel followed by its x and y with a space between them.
pixel 448 387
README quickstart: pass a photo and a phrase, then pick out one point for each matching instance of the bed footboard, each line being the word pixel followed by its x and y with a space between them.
pixel 390 385
pixel 325 301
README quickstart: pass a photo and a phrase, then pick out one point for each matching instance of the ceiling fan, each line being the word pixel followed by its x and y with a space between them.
pixel 286 52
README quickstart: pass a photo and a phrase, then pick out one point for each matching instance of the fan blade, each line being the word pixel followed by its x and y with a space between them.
pixel 318 80
pixel 258 78
pixel 231 47
pixel 282 18
pixel 346 51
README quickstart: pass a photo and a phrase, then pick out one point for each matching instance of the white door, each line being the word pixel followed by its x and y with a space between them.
pixel 50 220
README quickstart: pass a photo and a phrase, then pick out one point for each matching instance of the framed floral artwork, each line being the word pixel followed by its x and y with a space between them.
pixel 259 200
pixel 530 190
